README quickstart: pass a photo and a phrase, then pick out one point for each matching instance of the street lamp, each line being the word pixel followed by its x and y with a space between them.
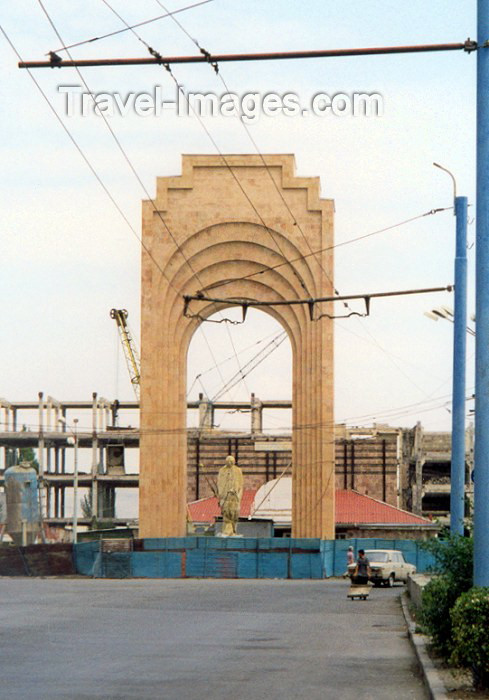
pixel 74 441
pixel 459 319
pixel 446 313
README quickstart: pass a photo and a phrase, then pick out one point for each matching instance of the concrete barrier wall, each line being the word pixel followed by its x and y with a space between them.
pixel 246 557
pixel 416 586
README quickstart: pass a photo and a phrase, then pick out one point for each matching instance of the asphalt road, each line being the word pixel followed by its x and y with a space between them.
pixel 75 639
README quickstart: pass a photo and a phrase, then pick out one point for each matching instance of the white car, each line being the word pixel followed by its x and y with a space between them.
pixel 387 566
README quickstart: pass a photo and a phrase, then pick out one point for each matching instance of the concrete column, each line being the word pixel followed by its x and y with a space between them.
pixel 206 413
pixel 96 505
pixel 41 434
pixel 417 489
pixel 256 415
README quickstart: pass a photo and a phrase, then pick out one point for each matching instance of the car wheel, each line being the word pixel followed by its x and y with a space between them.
pixel 390 581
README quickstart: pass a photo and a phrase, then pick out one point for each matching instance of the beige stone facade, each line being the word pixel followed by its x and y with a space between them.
pixel 230 219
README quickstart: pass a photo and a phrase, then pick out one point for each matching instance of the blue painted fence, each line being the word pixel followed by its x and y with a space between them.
pixel 215 557
pixel 333 552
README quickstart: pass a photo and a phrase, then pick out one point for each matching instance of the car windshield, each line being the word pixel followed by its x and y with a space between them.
pixel 381 557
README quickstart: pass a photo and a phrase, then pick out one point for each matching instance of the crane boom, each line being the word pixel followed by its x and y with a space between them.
pixel 129 346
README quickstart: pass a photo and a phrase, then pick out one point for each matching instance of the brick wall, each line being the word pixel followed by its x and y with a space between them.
pixel 367 465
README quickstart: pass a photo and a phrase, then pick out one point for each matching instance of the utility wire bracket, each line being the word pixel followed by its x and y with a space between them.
pixel 186 302
pixel 352 313
pixel 471 45
pixel 311 309
pixel 245 304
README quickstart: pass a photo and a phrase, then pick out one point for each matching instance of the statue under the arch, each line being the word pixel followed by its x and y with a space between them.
pixel 229 494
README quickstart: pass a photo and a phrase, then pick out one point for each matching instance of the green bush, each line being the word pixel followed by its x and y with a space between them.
pixel 438 599
pixel 470 625
pixel 453 564
pixel 454 558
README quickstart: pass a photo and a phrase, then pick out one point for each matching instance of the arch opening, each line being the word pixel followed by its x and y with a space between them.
pixel 258 350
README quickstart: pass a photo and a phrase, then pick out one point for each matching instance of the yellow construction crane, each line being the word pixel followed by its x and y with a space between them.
pixel 129 346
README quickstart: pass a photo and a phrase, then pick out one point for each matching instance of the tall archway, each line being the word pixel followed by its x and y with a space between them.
pixel 231 221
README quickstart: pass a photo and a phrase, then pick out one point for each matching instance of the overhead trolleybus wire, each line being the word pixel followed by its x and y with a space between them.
pixel 135 173
pixel 126 29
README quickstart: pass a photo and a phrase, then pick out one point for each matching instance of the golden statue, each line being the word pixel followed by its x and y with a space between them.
pixel 229 493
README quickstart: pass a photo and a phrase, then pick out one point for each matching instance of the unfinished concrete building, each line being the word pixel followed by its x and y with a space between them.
pixel 405 467
pixel 427 486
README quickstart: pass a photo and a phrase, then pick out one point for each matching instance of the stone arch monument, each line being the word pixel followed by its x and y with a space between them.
pixel 227 220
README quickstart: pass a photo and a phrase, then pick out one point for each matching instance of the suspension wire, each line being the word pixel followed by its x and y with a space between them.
pixel 351 313
pixel 404 409
pixel 131 166
pixel 139 24
pixel 243 125
pixel 198 378
pixel 277 479
pixel 375 341
pixel 344 328
pixel 90 165
pixel 231 357
pixel 153 52
pixel 103 185
pixel 230 169
pixel 119 145
pixel 254 362
pixel 408 409
pixel 270 268
pixel 468 46
pixel 215 67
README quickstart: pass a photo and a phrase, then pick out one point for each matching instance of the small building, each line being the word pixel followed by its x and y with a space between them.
pixel 362 516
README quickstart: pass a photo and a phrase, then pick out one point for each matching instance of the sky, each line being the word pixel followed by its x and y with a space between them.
pixel 68 256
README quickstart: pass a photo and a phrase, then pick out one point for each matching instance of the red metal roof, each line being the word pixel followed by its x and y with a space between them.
pixel 207 509
pixel 351 507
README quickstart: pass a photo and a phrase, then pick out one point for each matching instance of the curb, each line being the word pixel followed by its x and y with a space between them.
pixel 434 683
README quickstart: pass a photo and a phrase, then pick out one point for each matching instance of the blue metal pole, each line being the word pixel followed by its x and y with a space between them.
pixel 481 448
pixel 457 478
